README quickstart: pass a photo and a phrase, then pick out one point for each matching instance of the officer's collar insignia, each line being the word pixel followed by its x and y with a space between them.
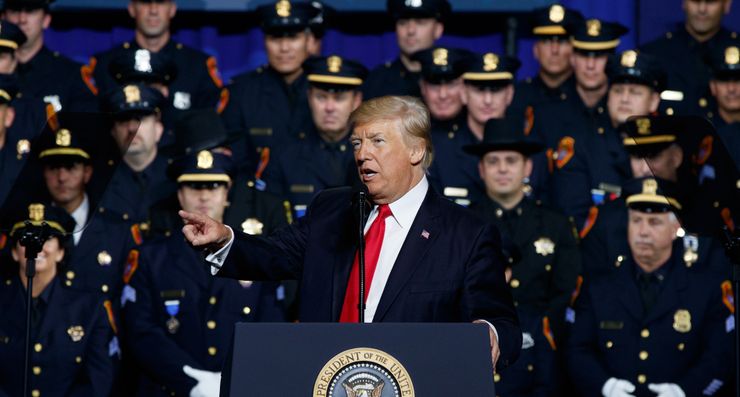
pixel 544 246
pixel 132 93
pixel 205 160
pixel 557 13
pixel 690 256
pixel 76 333
pixel 490 62
pixel 334 63
pixel 252 226
pixel 63 137
pixel 682 321
pixel 143 61
pixel 643 126
pixel 413 3
pixel 440 56
pixel 282 8
pixel 629 58
pixel 104 258
pixel 732 55
pixel 593 27
pixel 36 212
pixel 23 147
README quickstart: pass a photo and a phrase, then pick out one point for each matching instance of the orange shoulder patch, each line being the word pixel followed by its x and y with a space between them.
pixel 86 71
pixel 593 213
pixel 264 160
pixel 3 240
pixel 528 120
pixel 727 219
pixel 213 72
pixel 111 318
pixel 576 290
pixel 566 150
pixel 132 263
pixel 705 150
pixel 223 100
pixel 51 117
pixel 136 234
pixel 728 298
pixel 547 331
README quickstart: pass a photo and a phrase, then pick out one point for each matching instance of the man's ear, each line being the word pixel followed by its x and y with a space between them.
pixel 418 150
pixel 439 29
pixel 9 117
pixel 528 166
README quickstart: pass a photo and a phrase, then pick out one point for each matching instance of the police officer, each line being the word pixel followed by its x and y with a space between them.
pixel 418 25
pixel 659 324
pixel 318 25
pixel 179 319
pixel 554 81
pixel 141 179
pixel 591 162
pixel 725 87
pixel 684 53
pixel 45 74
pixel 268 105
pixel 324 158
pixel 74 348
pixel 197 84
pixel 548 264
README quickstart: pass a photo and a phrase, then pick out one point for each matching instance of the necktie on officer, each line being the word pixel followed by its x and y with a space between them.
pixel 373 243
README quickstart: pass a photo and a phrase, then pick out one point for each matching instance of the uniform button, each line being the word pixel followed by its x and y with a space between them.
pixel 609 344
pixel 600 130
pixel 514 283
pixel 212 351
pixel 681 346
pixel 212 300
pixel 669 111
pixel 70 275
pixel 703 102
pixel 496 378
pixel 715 204
pixel 499 212
pixel 211 325
pixel 125 217
pixel 35 393
pixel 548 267
pixel 645 333
pixel 563 96
pixel 247 310
pixel 516 304
pixel 530 367
pixel 37 370
pixel 8 282
pixel 104 288
pixel 643 355
pixel 78 359
pixel 600 109
pixel 68 283
pixel 737 184
pixel 450 135
pixel 641 378
pixel 37 347
pixel 619 261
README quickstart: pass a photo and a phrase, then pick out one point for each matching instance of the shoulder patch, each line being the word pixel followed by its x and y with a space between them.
pixel 528 120
pixel 547 332
pixel 728 297
pixel 726 218
pixel 566 150
pixel 87 75
pixel 705 150
pixel 3 240
pixel 576 290
pixel 51 117
pixel 223 100
pixel 111 318
pixel 593 213
pixel 213 72
pixel 132 263
pixel 136 234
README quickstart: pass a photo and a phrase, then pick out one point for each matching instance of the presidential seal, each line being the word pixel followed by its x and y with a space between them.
pixel 363 372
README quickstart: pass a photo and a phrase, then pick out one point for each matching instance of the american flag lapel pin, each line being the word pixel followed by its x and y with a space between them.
pixel 425 234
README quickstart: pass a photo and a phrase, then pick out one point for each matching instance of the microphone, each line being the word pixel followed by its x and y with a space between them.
pixel 361 203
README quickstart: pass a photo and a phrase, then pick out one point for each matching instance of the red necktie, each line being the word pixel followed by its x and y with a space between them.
pixel 373 242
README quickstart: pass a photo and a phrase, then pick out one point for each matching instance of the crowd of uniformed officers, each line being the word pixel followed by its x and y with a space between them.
pixel 610 176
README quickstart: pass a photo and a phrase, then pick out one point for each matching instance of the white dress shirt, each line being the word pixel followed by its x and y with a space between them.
pixel 80 217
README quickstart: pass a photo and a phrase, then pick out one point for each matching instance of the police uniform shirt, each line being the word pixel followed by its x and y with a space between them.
pixel 534 93
pixel 730 135
pixel 178 314
pixel 74 351
pixel 391 78
pixel 681 339
pixel 58 81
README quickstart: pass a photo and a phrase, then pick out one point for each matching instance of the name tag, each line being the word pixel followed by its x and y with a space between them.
pixel 172 293
pixel 611 325
pixel 260 131
pixel 455 192
pixel 301 188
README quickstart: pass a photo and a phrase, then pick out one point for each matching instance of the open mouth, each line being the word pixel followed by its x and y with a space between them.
pixel 367 174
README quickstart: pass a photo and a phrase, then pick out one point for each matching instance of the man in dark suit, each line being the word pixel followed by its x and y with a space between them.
pixel 427 258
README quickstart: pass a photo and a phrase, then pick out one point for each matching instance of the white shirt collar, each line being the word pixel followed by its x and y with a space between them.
pixel 405 208
pixel 80 214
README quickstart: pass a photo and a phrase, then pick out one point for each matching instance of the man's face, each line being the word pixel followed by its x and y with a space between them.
pixel 444 100
pixel 210 201
pixel 485 103
pixel 416 34
pixel 152 18
pixel 8 62
pixel 386 159
pixel 727 94
pixel 553 55
pixel 286 53
pixel 31 22
pixel 705 16
pixel 138 137
pixel 589 70
pixel 503 171
pixel 51 253
pixel 66 183
pixel 628 99
pixel 651 235
pixel 331 109
pixel 664 165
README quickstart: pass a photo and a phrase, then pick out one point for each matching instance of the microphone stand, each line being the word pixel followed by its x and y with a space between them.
pixel 361 256
pixel 732 248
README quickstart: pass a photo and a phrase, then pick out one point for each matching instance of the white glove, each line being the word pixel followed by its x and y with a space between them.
pixel 209 383
pixel 666 390
pixel 617 388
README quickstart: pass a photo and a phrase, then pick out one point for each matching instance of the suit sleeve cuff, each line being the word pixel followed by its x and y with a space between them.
pixel 218 258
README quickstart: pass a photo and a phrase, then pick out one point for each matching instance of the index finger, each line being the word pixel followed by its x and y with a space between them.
pixel 191 218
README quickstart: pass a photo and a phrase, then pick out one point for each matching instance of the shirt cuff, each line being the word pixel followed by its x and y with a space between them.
pixel 494 331
pixel 218 258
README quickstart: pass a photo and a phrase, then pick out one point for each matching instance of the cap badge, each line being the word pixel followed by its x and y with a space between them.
pixel 650 187
pixel 629 58
pixel 334 63
pixel 557 13
pixel 732 55
pixel 205 160
pixel 282 8
pixel 413 3
pixel 133 94
pixel 36 212
pixel 593 27
pixel 643 126
pixel 143 61
pixel 440 56
pixel 490 62
pixel 64 137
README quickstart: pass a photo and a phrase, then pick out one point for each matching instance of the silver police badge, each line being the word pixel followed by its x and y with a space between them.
pixel 363 372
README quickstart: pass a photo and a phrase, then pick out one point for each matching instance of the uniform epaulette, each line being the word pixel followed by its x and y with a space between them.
pixel 126 44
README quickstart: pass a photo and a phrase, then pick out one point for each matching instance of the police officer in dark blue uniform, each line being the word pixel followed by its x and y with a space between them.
pixel 324 158
pixel 44 74
pixel 725 87
pixel 268 105
pixel 659 324
pixel 591 161
pixel 179 319
pixel 74 349
pixel 543 274
pixel 418 25
pixel 141 179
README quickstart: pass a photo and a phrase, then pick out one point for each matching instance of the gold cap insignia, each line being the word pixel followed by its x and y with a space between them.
pixel 64 137
pixel 205 160
pixel 23 146
pixel 282 8
pixel 440 56
pixel 593 27
pixel 682 321
pixel 544 246
pixel 36 212
pixel 132 93
pixel 643 126
pixel 732 55
pixel 557 13
pixel 76 333
pixel 650 186
pixel 490 62
pixel 104 258
pixel 334 63
pixel 629 58
pixel 252 226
